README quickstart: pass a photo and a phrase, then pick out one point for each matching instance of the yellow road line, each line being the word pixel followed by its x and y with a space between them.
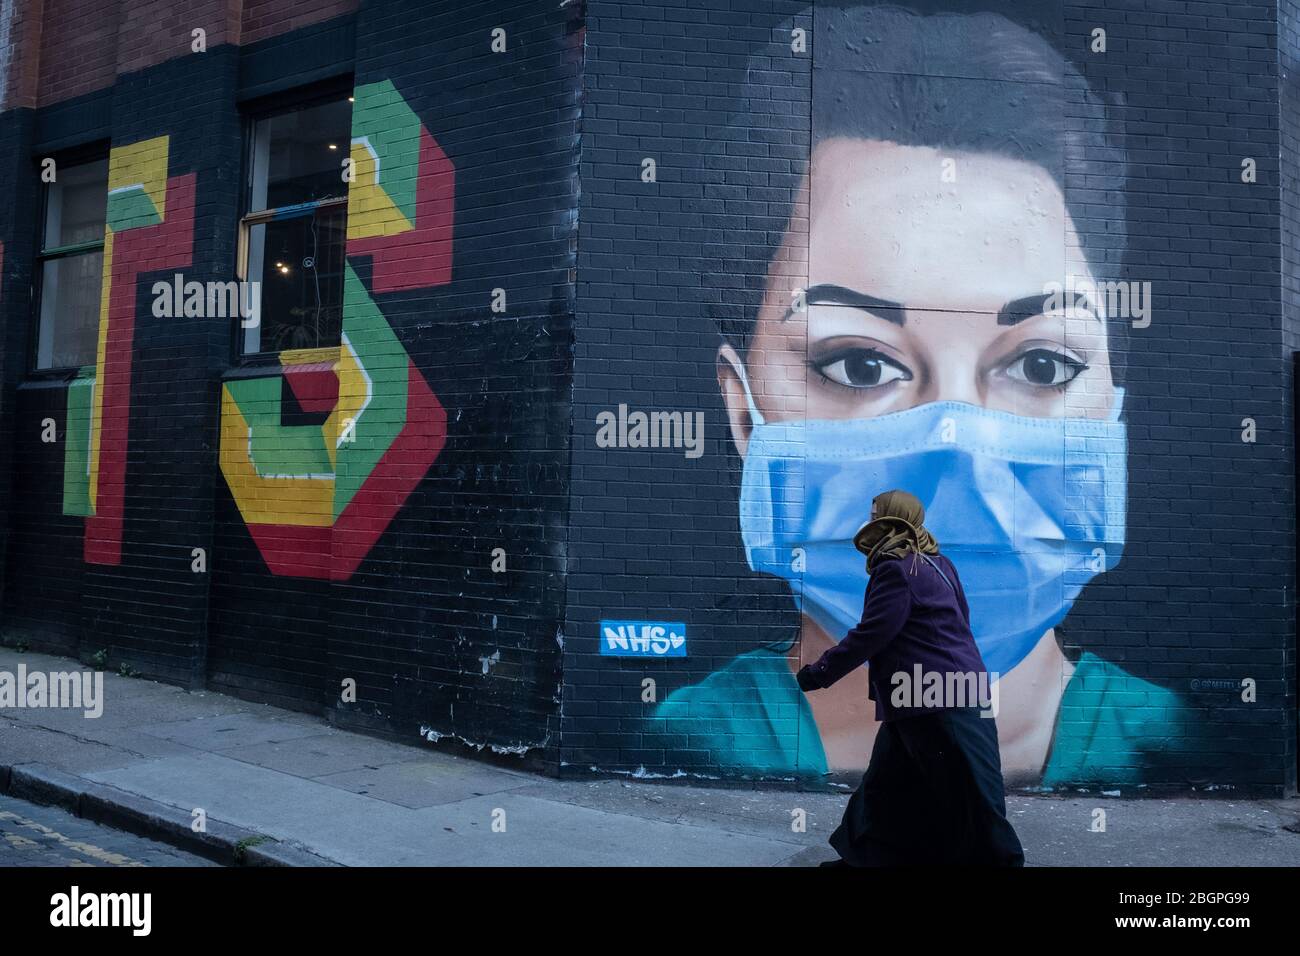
pixel 107 857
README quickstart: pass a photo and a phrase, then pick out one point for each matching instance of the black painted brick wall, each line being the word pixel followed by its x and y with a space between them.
pixel 414 624
pixel 1206 588
pixel 1289 133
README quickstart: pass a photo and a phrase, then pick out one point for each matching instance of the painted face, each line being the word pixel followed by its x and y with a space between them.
pixel 921 290
pixel 931 356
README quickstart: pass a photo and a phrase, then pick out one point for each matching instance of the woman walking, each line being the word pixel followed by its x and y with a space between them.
pixel 932 792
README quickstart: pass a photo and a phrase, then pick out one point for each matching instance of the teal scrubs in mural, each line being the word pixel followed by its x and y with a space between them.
pixel 751 716
pixel 1113 727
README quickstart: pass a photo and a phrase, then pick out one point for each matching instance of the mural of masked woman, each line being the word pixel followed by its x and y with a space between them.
pixel 930 320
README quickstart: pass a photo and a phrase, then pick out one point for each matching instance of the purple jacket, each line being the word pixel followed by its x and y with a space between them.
pixel 910 617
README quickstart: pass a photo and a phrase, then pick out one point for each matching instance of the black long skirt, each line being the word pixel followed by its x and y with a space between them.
pixel 932 795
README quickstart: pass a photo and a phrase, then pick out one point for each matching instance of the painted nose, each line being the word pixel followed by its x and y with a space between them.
pixel 952 369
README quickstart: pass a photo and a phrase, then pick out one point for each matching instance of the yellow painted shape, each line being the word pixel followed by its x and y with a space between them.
pixel 144 164
pixel 307 502
pixel 353 392
pixel 101 350
pixel 370 212
pixel 309 356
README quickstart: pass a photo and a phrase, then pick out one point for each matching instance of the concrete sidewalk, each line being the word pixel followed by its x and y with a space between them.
pixel 279 788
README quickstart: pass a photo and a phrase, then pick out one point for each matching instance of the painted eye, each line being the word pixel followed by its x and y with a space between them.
pixel 863 368
pixel 1045 368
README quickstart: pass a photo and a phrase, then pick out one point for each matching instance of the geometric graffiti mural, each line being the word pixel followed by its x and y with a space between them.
pixel 316 498
pixel 149 225
pixel 400 203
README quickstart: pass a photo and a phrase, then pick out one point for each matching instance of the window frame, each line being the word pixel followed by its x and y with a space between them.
pixel 75 156
pixel 265 108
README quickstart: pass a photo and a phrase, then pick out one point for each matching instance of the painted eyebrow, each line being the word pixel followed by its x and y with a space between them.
pixel 827 294
pixel 1015 311
pixel 1028 306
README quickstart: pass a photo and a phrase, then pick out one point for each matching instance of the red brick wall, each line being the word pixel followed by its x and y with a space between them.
pixel 268 18
pixel 78 48
pixel 152 31
pixel 20 58
pixel 66 48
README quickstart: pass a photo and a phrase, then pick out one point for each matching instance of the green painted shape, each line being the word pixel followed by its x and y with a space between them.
pixel 289 450
pixel 381 355
pixel 76 444
pixel 381 117
pixel 130 209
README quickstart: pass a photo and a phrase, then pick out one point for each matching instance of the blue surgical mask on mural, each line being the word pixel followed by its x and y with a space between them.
pixel 1028 509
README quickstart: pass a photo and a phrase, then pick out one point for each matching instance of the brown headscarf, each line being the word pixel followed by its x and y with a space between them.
pixel 897 530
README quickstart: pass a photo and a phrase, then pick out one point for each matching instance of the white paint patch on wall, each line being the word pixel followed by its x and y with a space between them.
pixel 433 736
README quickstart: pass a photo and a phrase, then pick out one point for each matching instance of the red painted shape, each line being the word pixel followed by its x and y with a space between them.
pixel 167 245
pixel 418 258
pixel 394 477
pixel 293 550
pixel 316 386
pixel 336 552
pixel 415 259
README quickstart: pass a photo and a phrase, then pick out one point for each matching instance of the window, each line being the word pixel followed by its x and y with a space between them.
pixel 71 266
pixel 293 237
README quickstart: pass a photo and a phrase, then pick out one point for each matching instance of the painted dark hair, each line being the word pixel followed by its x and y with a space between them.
pixel 951 80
